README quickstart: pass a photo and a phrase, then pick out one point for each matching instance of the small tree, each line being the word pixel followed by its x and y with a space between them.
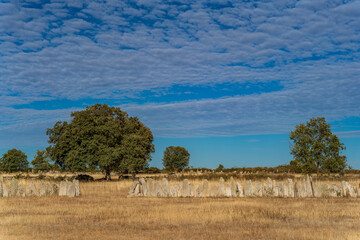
pixel 14 160
pixel 176 158
pixel 41 161
pixel 220 168
pixel 315 148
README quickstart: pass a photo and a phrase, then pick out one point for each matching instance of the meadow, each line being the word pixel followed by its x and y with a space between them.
pixel 103 211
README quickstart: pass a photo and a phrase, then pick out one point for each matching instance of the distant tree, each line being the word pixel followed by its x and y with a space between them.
pixel 176 158
pixel 315 148
pixel 219 168
pixel 41 161
pixel 101 137
pixel 14 160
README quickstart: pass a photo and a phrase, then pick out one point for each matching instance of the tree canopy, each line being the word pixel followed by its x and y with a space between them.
pixel 14 160
pixel 101 137
pixel 315 148
pixel 41 161
pixel 176 158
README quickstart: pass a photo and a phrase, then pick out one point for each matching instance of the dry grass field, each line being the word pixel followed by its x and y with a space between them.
pixel 104 212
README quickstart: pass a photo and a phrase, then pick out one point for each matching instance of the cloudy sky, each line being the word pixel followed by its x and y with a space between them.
pixel 227 80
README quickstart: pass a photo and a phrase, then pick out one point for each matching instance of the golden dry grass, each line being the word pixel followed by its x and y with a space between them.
pixel 104 212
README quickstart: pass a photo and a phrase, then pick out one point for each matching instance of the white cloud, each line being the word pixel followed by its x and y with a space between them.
pixel 115 50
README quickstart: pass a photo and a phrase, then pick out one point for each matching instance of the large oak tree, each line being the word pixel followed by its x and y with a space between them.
pixel 101 137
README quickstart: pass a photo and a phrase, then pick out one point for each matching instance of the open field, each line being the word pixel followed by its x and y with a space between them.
pixel 104 212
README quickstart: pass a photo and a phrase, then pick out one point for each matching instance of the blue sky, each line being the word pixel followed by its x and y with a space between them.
pixel 226 79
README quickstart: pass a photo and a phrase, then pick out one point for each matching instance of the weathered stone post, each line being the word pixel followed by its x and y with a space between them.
pixel 63 188
pixel 13 187
pixel 158 189
pixel 165 187
pixel 20 191
pixel 258 189
pixel 291 188
pixel 77 187
pixel 268 187
pixel 191 189
pixel 206 192
pixel 221 188
pixel 1 189
pixel 248 189
pixel 239 190
pixel 185 188
pixel 233 187
pixel 150 188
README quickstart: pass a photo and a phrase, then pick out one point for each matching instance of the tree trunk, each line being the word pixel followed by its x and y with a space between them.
pixel 107 175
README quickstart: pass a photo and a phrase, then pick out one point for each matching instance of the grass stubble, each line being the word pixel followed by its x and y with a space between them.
pixel 104 212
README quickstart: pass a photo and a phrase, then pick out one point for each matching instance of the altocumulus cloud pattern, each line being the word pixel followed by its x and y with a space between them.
pixel 186 68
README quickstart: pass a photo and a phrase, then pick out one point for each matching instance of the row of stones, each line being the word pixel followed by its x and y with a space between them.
pixel 16 189
pixel 303 188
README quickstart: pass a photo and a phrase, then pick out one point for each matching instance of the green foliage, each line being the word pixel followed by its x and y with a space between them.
pixel 41 161
pixel 219 168
pixel 315 148
pixel 13 161
pixel 101 137
pixel 175 158
pixel 152 170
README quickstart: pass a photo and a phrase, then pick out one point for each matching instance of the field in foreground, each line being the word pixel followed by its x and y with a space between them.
pixel 104 212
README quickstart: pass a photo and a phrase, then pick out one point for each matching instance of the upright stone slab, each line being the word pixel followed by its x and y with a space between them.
pixel 335 191
pixel 54 189
pixel 13 187
pixel 233 187
pixel 150 188
pixel 248 189
pixel 177 188
pixel 228 191
pixel 143 187
pixel 172 192
pixel 309 192
pixel 63 188
pixel 268 188
pixel 185 188
pixel 191 190
pixel 352 190
pixel 158 189
pixel 20 191
pixel 5 191
pixel 70 190
pixel 344 189
pixel 316 190
pixel 166 189
pixel 275 192
pixel 291 188
pixel 206 190
pixel 298 190
pixel 239 190
pixel 199 191
pixel 221 187
pixel 286 190
pixel 31 190
pixel 258 189
pixel 280 189
pixel 1 189
pixel 77 187
pixel 42 189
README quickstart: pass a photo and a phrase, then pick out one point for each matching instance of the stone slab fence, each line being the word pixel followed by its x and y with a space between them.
pixel 16 189
pixel 270 188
